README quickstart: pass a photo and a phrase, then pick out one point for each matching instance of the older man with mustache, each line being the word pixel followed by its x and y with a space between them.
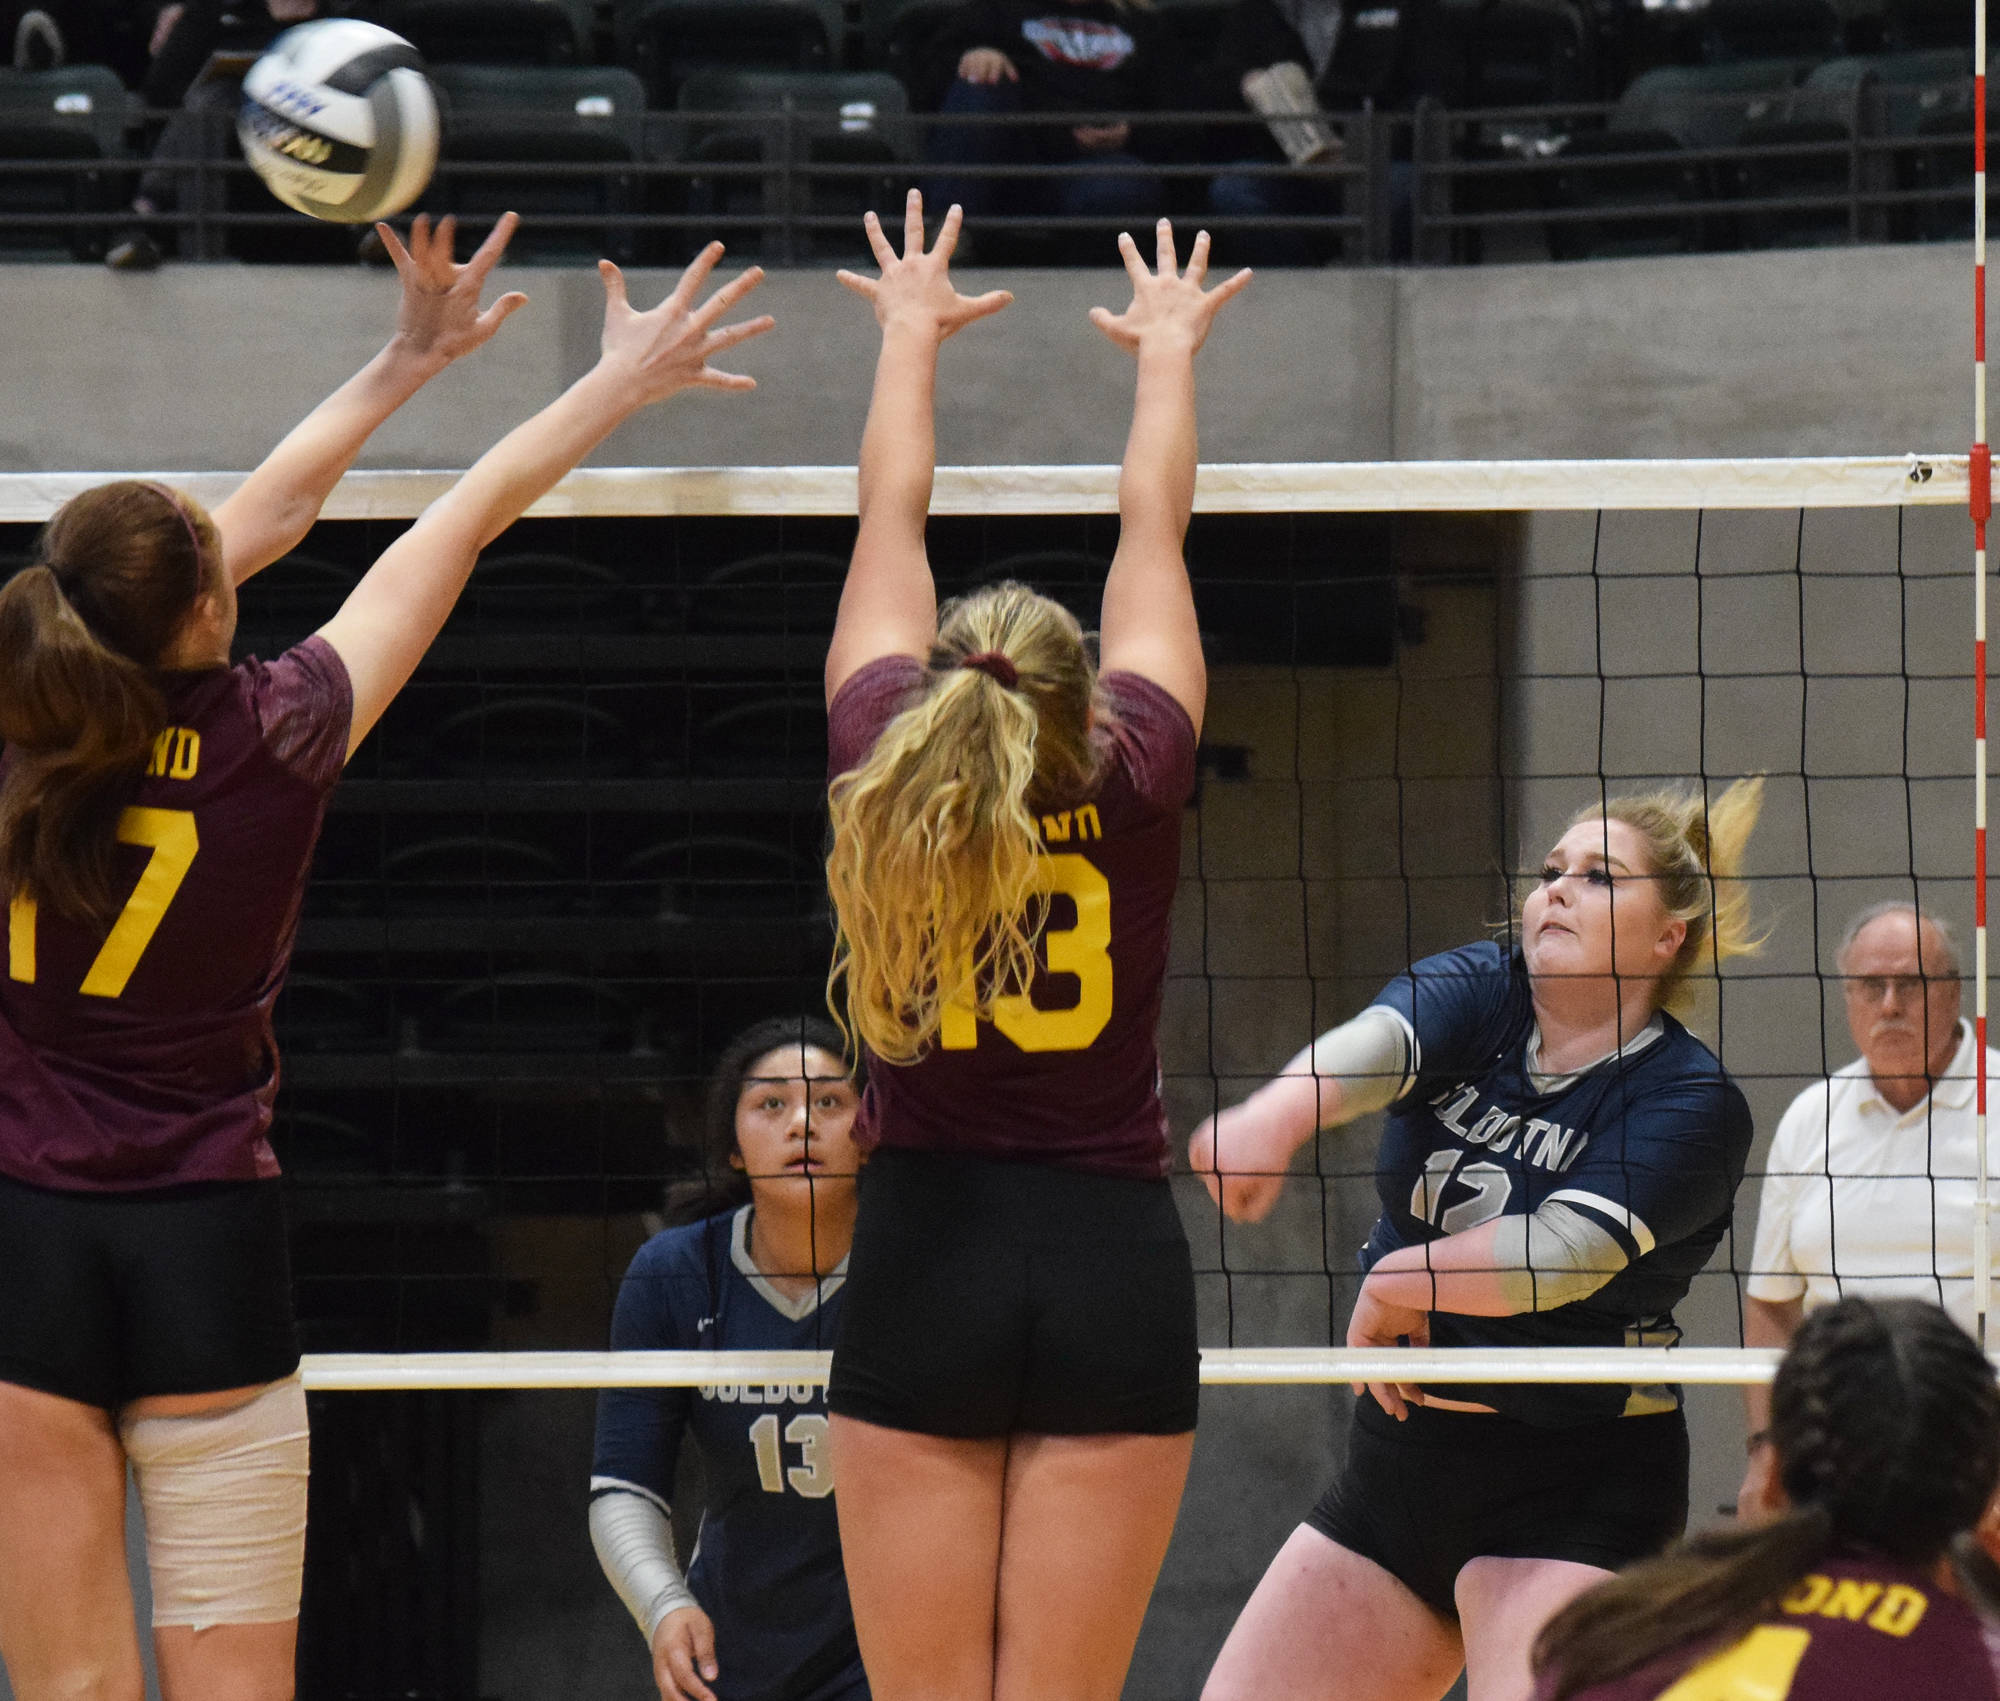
pixel 1869 1186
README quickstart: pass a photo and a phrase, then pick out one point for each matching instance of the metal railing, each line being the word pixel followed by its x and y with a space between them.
pixel 787 185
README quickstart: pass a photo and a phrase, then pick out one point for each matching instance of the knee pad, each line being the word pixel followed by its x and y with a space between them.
pixel 224 1495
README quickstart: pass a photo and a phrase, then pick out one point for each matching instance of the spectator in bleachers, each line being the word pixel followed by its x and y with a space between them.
pixel 1282 58
pixel 1029 56
pixel 203 98
pixel 1869 1185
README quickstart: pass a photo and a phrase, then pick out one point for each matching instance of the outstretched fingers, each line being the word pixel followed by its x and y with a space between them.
pixel 985 306
pixel 885 256
pixel 947 236
pixel 487 255
pixel 615 298
pixel 501 311
pixel 688 290
pixel 726 297
pixel 863 287
pixel 1197 266
pixel 394 244
pixel 1169 262
pixel 1134 266
pixel 913 225
pixel 1230 287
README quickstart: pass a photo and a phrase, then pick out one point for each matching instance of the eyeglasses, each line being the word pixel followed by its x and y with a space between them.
pixel 1874 988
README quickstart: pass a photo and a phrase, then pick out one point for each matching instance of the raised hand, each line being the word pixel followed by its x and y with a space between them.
pixel 916 289
pixel 669 347
pixel 1167 303
pixel 440 318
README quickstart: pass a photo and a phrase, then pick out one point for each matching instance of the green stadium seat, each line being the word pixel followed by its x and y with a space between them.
pixel 75 118
pixel 494 32
pixel 524 117
pixel 667 41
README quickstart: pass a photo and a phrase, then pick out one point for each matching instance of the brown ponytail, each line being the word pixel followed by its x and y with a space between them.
pixel 81 635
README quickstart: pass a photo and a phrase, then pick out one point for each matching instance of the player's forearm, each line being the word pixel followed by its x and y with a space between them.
pixel 1460 1273
pixel 1156 480
pixel 1350 1070
pixel 277 504
pixel 899 443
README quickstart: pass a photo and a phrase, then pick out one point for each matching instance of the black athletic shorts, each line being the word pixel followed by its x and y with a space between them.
pixel 109 1297
pixel 1424 1497
pixel 987 1298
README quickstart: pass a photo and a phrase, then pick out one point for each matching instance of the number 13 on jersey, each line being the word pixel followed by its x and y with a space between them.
pixel 1083 950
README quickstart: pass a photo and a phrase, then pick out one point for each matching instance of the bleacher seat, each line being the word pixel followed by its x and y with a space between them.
pixel 1708 106
pixel 531 737
pixel 493 32
pixel 465 874
pixel 70 117
pixel 721 877
pixel 814 134
pixel 667 41
pixel 779 591
pixel 1651 196
pixel 541 591
pixel 526 1013
pixel 1736 30
pixel 1528 53
pixel 319 1013
pixel 772 737
pixel 1765 170
pixel 523 117
pixel 896 35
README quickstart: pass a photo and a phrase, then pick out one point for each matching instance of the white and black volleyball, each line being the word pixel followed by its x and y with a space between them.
pixel 340 120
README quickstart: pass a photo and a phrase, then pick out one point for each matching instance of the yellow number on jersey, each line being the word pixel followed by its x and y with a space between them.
pixel 1758 1668
pixel 171 836
pixel 1083 950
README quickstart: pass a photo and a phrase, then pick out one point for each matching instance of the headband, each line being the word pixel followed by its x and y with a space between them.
pixel 995 666
pixel 174 502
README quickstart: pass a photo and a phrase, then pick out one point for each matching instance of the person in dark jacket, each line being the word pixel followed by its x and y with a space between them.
pixel 1081 57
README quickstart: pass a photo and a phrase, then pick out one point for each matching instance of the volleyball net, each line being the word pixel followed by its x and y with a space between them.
pixel 583 848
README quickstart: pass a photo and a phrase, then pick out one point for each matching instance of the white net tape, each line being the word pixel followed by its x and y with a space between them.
pixel 1335 487
pixel 375 1372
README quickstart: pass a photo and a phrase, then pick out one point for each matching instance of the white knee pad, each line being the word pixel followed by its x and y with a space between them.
pixel 224 1495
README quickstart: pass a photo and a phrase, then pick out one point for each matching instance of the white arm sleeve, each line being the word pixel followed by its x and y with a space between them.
pixel 1554 1255
pixel 635 1545
pixel 1373 1057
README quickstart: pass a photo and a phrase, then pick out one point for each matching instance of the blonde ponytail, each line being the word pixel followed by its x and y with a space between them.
pixel 936 865
pixel 1696 850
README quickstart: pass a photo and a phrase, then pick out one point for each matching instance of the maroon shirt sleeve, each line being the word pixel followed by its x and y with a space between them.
pixel 304 701
pixel 1152 741
pixel 867 701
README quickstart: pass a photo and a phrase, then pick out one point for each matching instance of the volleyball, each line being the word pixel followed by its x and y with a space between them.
pixel 340 121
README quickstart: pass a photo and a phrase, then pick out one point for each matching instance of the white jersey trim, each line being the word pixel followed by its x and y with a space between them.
pixel 1624 1216
pixel 793 1310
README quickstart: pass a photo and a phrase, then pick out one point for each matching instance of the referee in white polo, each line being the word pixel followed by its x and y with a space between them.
pixel 1869 1186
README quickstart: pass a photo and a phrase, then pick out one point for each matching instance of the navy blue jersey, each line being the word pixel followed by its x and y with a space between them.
pixel 766 1567
pixel 1649 1144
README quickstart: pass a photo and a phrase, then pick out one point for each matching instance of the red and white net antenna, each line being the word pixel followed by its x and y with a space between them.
pixel 1982 511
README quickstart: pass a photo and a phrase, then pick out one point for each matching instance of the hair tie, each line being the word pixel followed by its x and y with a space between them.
pixel 995 666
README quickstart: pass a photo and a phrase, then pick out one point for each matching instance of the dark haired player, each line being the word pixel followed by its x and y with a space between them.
pixel 762 1614
pixel 158 809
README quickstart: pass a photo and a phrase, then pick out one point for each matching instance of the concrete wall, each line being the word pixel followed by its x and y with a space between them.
pixel 202 368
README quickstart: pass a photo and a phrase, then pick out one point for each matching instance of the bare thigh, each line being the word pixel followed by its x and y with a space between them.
pixel 920 1538
pixel 65 1600
pixel 1502 1605
pixel 1326 1624
pixel 1086 1523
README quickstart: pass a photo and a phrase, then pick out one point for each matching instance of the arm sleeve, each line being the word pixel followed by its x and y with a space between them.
pixel 1670 1167
pixel 1774 1270
pixel 1373 1057
pixel 635 1545
pixel 1552 1256
pixel 304 702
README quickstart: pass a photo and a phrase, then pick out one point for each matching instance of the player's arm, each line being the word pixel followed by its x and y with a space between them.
pixel 1242 1153
pixel 438 321
pixel 1148 622
pixel 1525 1261
pixel 391 617
pixel 888 607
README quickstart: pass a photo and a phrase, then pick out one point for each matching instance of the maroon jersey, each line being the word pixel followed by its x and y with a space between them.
pixel 141 1056
pixel 1853 1629
pixel 1067 1073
